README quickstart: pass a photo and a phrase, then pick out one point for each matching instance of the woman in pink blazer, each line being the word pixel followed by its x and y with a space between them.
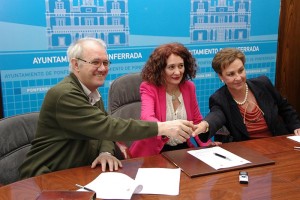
pixel 167 94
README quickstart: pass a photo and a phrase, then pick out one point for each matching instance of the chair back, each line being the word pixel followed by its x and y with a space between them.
pixel 124 101
pixel 16 134
pixel 124 98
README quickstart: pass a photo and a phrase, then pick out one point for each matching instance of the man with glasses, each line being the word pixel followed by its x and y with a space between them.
pixel 74 129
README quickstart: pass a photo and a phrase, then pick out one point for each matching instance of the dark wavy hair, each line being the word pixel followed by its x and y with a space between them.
pixel 153 71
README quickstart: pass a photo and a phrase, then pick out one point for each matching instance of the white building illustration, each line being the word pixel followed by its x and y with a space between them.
pixel 220 20
pixel 69 20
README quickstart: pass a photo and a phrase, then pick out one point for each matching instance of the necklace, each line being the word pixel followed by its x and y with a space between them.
pixel 245 99
pixel 256 114
pixel 173 95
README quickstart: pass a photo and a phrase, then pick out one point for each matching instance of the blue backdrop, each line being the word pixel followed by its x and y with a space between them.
pixel 33 43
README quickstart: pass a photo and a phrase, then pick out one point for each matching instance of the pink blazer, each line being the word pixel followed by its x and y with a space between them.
pixel 153 108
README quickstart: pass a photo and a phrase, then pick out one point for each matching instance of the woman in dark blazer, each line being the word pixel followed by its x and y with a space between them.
pixel 248 108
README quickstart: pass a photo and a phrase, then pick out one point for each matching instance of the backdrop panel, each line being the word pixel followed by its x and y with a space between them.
pixel 33 43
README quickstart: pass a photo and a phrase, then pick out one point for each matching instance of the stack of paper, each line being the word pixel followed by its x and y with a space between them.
pixel 115 185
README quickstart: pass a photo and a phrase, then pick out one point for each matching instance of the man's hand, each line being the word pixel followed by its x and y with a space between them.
pixel 105 158
pixel 202 127
pixel 179 130
pixel 173 142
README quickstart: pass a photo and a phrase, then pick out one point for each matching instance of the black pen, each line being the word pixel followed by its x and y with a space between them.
pixel 82 187
pixel 221 156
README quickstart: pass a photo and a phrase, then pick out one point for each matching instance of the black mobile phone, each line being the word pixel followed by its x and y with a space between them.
pixel 243 177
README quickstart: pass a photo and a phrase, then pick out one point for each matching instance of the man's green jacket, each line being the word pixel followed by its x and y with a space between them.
pixel 71 132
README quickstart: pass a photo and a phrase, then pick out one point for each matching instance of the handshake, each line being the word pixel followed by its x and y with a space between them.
pixel 180 130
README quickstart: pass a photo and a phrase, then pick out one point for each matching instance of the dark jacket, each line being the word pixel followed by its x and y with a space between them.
pixel 280 117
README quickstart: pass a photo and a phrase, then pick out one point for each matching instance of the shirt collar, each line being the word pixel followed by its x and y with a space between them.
pixel 93 96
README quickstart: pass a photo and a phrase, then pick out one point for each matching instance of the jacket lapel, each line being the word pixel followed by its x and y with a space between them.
pixel 162 102
pixel 76 81
pixel 237 119
pixel 186 99
pixel 262 101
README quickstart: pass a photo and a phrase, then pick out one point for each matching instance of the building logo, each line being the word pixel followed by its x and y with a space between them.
pixel 69 20
pixel 220 20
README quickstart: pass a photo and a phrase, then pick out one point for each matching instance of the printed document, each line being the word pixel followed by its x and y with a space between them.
pixel 159 180
pixel 116 185
pixel 218 158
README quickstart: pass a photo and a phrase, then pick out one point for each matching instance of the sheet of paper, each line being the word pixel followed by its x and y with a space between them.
pixel 114 185
pixel 158 181
pixel 209 156
pixel 294 137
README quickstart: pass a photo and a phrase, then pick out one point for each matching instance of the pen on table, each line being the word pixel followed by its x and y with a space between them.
pixel 221 156
pixel 82 187
pixel 297 148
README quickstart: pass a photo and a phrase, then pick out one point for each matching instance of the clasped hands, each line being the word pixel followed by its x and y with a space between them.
pixel 177 130
pixel 180 130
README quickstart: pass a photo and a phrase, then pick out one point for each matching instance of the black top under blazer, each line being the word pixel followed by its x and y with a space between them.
pixel 280 116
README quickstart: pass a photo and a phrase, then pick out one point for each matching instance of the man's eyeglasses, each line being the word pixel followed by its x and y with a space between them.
pixel 97 63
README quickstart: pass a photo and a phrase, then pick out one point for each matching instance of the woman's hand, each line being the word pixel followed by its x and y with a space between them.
pixel 213 144
pixel 202 127
pixel 297 131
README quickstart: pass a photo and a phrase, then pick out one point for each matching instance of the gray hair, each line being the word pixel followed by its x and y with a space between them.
pixel 76 48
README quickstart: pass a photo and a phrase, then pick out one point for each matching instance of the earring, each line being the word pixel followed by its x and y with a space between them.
pixel 222 81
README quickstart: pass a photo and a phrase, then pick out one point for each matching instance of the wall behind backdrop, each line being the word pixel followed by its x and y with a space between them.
pixel 288 62
pixel 33 43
